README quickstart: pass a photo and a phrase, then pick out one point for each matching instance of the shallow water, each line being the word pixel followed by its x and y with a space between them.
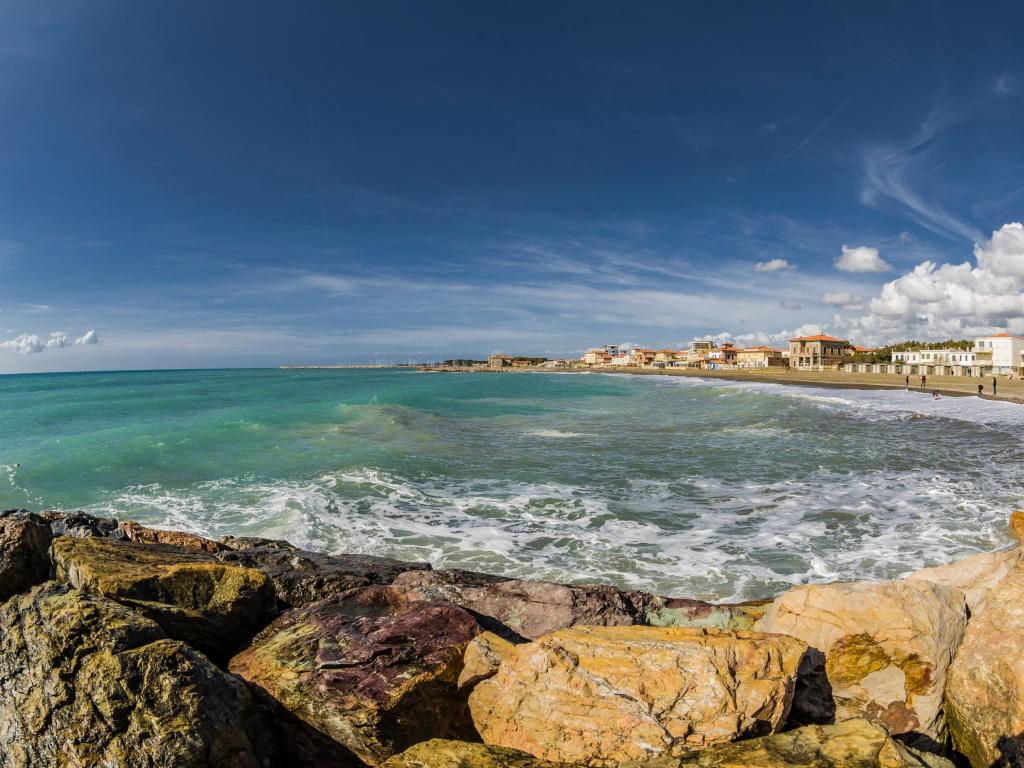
pixel 692 487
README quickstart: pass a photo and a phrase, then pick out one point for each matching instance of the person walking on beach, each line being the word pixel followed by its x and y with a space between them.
pixel 906 384
pixel 981 390
pixel 993 386
pixel 924 380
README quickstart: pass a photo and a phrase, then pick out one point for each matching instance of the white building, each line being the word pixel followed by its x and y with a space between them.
pixel 1001 352
pixel 950 356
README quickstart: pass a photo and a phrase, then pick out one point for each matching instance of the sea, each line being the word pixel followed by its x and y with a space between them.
pixel 686 487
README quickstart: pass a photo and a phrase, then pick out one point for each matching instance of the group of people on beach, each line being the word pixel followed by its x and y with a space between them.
pixel 935 393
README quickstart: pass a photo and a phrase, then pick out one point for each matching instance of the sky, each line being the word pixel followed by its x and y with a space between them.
pixel 196 184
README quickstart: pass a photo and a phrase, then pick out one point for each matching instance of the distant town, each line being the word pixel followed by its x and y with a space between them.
pixel 998 354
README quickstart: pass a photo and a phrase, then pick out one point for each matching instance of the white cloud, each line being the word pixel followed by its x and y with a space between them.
pixel 791 304
pixel 31 344
pixel 937 301
pixel 26 344
pixel 891 174
pixel 844 299
pixel 861 259
pixel 57 340
pixel 774 265
pixel 89 337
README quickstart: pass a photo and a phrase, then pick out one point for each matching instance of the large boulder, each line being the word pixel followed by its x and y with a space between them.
pixel 603 695
pixel 85 681
pixel 372 672
pixel 886 647
pixel 82 525
pixel 985 686
pixel 301 577
pixel 192 595
pixel 975 576
pixel 441 753
pixel 24 541
pixel 850 744
pixel 523 609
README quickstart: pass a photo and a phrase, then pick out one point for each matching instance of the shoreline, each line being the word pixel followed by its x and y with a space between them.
pixel 1009 391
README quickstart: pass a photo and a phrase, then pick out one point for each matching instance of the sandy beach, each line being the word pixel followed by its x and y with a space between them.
pixel 1010 390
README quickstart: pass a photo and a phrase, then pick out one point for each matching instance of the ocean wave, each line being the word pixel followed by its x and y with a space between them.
pixel 695 537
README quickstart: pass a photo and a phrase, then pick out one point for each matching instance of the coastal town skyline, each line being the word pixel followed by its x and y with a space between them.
pixel 355 185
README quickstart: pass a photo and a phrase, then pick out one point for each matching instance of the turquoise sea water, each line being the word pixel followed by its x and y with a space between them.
pixel 695 488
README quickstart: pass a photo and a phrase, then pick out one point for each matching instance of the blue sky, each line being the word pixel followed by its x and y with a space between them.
pixel 206 184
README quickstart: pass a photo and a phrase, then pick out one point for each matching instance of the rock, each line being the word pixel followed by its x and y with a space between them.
pixel 681 612
pixel 603 695
pixel 439 753
pixel 85 681
pixel 521 609
pixel 482 658
pixel 372 672
pixel 850 744
pixel 254 542
pixel 192 595
pixel 974 575
pixel 886 645
pixel 302 577
pixel 24 562
pixel 1016 526
pixel 82 524
pixel 985 686
pixel 140 534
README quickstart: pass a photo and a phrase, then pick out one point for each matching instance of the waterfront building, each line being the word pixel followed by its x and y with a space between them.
pixel 818 352
pixel 1000 353
pixel 760 357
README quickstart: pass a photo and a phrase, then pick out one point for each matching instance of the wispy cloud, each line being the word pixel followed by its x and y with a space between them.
pixel 890 173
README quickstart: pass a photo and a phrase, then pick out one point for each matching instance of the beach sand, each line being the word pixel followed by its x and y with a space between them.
pixel 1011 390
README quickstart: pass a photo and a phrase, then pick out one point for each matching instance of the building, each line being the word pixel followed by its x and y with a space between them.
pixel 499 361
pixel 596 357
pixel 818 352
pixel 644 357
pixel 1000 353
pixel 760 357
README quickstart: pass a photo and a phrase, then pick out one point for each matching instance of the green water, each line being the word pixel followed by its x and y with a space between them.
pixel 706 489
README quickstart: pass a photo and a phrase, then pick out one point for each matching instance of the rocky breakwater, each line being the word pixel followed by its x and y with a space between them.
pixel 122 645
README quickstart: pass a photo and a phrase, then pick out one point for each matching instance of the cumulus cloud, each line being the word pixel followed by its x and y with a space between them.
pixel 31 344
pixel 861 259
pixel 57 340
pixel 850 301
pixel 949 300
pixel 773 265
pixel 26 344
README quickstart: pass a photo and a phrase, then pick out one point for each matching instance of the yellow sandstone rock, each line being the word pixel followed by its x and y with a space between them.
pixel 439 753
pixel 602 695
pixel 974 575
pixel 188 592
pixel 1017 524
pixel 850 744
pixel 887 646
pixel 985 688
pixel 482 658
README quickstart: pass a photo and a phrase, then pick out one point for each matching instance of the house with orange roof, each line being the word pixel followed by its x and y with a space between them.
pixel 818 352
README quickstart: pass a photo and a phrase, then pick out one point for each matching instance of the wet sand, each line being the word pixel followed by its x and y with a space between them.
pixel 1010 390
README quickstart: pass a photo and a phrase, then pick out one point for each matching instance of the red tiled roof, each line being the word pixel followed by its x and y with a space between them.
pixel 820 337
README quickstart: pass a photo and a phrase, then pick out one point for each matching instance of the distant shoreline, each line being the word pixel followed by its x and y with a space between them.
pixel 1011 391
